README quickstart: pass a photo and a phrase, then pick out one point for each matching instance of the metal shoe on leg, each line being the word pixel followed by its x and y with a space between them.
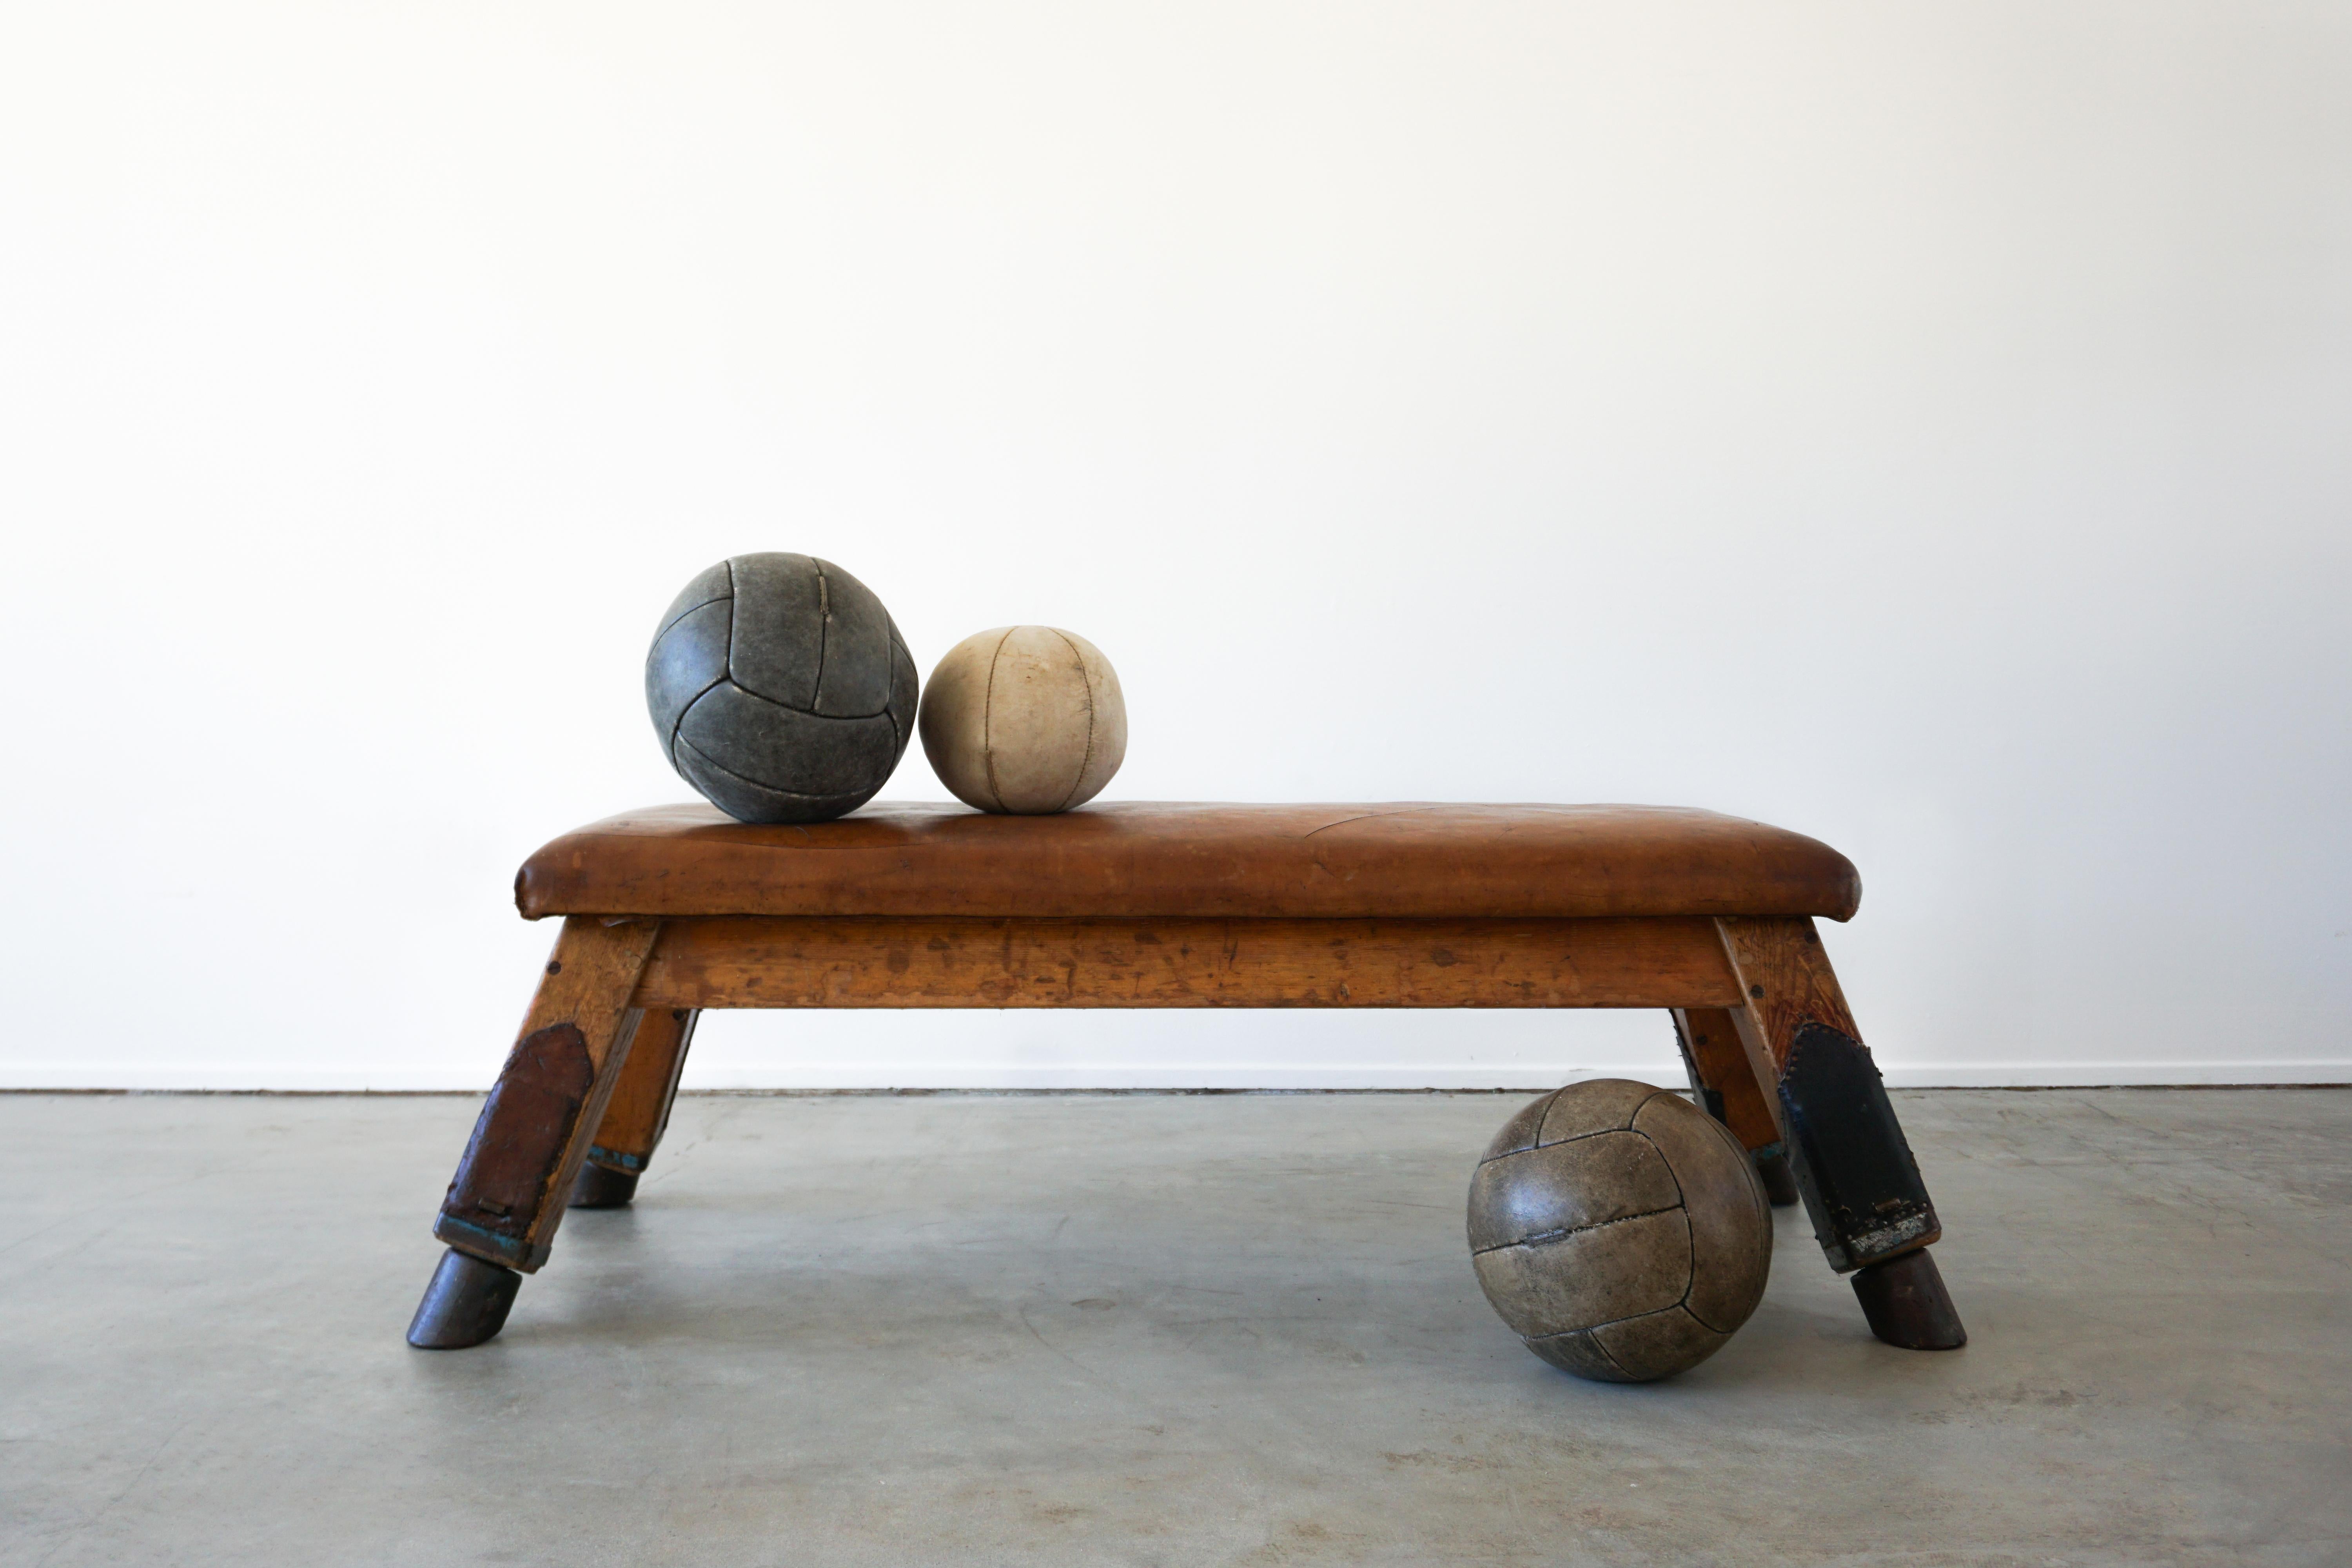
pixel 466 1304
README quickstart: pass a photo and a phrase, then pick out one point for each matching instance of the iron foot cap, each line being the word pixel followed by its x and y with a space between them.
pixel 466 1303
pixel 599 1188
pixel 1780 1183
pixel 1907 1306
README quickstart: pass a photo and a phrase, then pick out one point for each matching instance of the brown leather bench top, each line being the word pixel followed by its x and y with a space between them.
pixel 1153 859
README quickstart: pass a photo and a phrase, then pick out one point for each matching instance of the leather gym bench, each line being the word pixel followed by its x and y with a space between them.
pixel 671 910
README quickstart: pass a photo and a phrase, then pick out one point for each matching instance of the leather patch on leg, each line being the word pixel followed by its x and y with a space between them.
pixel 519 1142
pixel 1849 1155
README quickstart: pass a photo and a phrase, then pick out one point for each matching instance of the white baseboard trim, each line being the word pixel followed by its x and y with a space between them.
pixel 2120 1075
pixel 1995 1075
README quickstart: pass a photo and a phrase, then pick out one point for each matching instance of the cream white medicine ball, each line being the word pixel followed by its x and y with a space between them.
pixel 1026 719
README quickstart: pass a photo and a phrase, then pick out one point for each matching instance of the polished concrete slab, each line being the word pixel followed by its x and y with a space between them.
pixel 1153 1329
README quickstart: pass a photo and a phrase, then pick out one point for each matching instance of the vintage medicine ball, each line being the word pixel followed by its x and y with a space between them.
pixel 1620 1231
pixel 1026 719
pixel 779 688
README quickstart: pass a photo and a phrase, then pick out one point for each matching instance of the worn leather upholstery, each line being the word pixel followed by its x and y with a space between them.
pixel 1152 858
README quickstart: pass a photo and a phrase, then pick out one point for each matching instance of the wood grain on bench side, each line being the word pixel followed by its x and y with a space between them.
pixel 871 961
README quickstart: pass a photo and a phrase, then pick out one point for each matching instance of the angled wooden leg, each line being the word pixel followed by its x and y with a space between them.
pixel 638 1112
pixel 1870 1210
pixel 1726 1089
pixel 501 1211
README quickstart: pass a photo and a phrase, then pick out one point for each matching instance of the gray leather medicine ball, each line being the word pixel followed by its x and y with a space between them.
pixel 1619 1230
pixel 779 688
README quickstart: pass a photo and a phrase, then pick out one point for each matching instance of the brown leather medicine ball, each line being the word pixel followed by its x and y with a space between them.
pixel 1620 1231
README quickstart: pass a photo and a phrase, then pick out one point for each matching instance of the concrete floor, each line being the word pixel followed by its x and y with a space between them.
pixel 1146 1330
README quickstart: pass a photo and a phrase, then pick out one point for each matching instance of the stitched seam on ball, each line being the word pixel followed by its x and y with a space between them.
pixel 679 723
pixel 1741 1150
pixel 1685 1302
pixel 733 620
pixel 1682 1198
pixel 1547 1237
pixel 1690 1232
pixel 1630 1318
pixel 718 767
pixel 1088 688
pixel 987 716
pixel 1624 1126
pixel 1591 1339
pixel 716 681
pixel 824 627
pixel 1598 1133
pixel 898 646
pixel 666 625
pixel 1545 1103
pixel 811 712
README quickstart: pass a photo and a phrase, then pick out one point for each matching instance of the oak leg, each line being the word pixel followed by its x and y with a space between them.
pixel 1853 1167
pixel 502 1209
pixel 638 1112
pixel 1727 1090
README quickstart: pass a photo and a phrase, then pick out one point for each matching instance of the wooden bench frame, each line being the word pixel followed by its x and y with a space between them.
pixel 1771 1046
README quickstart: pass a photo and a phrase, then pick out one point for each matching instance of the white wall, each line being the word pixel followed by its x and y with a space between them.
pixel 1926 426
